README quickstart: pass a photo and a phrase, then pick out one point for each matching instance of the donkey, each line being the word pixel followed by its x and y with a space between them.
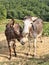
pixel 33 26
pixel 13 31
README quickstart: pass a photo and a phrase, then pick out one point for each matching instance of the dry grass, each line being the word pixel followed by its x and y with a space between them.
pixel 42 51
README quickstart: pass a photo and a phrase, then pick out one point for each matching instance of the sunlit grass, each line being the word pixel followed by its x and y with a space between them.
pixel 2 28
pixel 46 28
pixel 4 22
pixel 21 61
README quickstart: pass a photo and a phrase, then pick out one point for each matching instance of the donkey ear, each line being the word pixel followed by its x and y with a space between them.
pixel 23 21
pixel 34 18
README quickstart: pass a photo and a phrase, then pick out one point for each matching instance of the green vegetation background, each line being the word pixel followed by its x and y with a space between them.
pixel 20 8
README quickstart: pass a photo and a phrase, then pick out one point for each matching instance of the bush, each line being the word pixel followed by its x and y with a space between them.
pixel 3 12
pixel 46 29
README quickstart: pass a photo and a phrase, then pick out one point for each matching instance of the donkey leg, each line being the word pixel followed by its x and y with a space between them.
pixel 9 50
pixel 14 46
pixel 34 45
pixel 29 46
pixel 40 36
pixel 41 39
pixel 28 49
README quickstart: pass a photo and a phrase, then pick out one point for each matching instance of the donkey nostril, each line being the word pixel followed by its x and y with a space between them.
pixel 31 23
pixel 22 43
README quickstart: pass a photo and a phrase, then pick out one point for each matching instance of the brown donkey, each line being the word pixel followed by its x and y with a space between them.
pixel 13 31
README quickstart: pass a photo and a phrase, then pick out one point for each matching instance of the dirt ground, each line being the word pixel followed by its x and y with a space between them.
pixel 42 49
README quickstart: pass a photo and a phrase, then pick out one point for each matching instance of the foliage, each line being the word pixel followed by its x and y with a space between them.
pixel 46 29
pixel 20 8
pixel 3 12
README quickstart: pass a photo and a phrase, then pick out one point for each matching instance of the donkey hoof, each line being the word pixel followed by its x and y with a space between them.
pixel 9 58
pixel 27 54
pixel 15 55
pixel 41 41
pixel 34 56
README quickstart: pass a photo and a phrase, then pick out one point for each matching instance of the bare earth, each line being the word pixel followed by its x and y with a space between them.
pixel 42 49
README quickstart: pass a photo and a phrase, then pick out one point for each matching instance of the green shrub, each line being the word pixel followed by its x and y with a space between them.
pixel 46 28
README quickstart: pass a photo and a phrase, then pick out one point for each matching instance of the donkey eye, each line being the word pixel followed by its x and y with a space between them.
pixel 31 23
